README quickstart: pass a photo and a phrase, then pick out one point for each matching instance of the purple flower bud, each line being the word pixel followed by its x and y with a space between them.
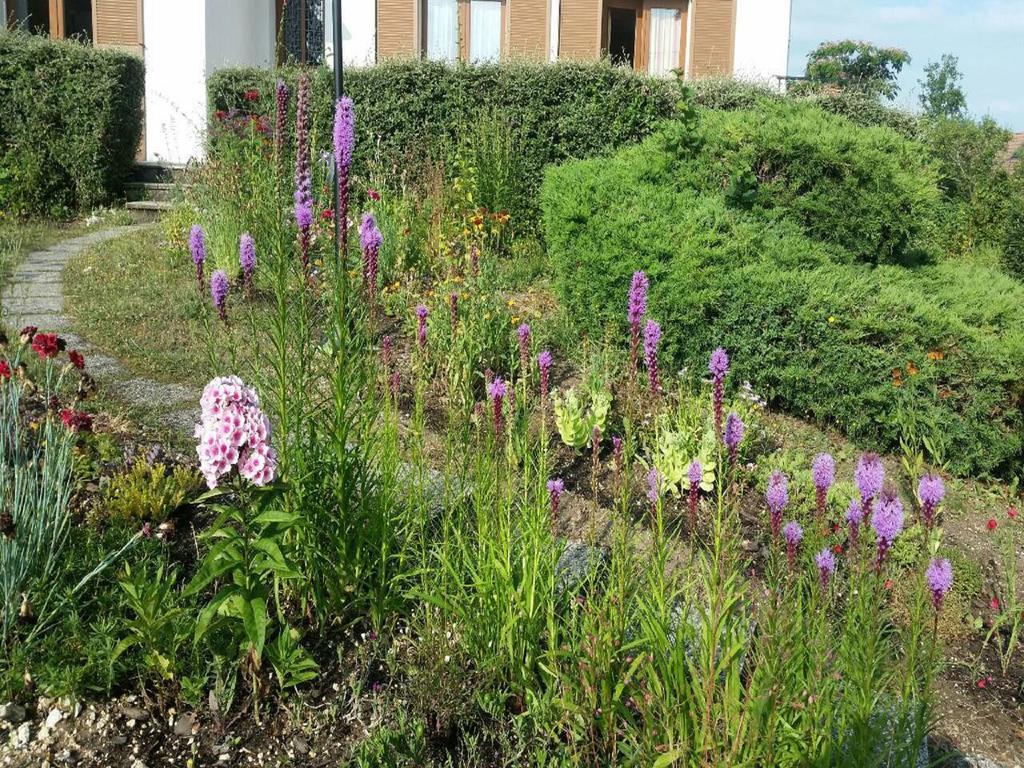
pixel 854 517
pixel 823 470
pixel 652 336
pixel 869 476
pixel 421 326
pixel 635 313
pixel 370 240
pixel 930 490
pixel 694 474
pixel 496 390
pixel 197 245
pixel 734 429
pixel 523 332
pixel 793 534
pixel 939 576
pixel 219 292
pixel 544 363
pixel 281 117
pixel 718 366
pixel 777 497
pixel 653 485
pixel 247 259
pixel 826 562
pixel 555 489
pixel 887 521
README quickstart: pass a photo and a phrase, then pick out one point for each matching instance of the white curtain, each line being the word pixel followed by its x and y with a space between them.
pixel 666 33
pixel 443 30
pixel 484 30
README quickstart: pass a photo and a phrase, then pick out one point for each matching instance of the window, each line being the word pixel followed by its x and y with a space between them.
pixel 442 30
pixel 302 30
pixel 622 36
pixel 78 20
pixel 484 30
pixel 665 37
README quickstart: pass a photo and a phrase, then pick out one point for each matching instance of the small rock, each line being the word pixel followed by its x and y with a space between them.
pixel 12 713
pixel 22 736
pixel 118 740
pixel 53 718
pixel 138 714
pixel 300 744
pixel 67 757
pixel 186 725
pixel 138 764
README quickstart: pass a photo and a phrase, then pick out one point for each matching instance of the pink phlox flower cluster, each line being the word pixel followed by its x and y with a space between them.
pixel 234 432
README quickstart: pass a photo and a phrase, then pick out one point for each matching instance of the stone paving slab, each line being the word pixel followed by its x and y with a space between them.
pixel 35 296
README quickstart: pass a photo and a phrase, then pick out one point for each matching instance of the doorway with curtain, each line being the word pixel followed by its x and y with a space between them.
pixel 648 35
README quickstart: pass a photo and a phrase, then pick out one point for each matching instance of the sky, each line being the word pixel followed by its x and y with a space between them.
pixel 986 35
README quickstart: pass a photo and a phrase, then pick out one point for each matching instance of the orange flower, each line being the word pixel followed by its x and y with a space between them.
pixel 911 368
pixel 936 354
pixel 897 377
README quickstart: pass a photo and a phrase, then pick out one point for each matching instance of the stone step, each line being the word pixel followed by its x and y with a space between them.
pixel 145 211
pixel 153 172
pixel 161 192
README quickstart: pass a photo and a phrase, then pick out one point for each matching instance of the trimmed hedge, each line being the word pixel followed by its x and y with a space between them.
pixel 412 110
pixel 70 122
pixel 845 343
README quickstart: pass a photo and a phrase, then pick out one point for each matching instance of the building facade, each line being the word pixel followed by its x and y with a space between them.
pixel 183 41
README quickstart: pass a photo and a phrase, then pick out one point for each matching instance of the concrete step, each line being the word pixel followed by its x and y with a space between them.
pixel 152 172
pixel 145 211
pixel 156 191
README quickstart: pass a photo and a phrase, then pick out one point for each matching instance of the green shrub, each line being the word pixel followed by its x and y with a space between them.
pixel 866 189
pixel 812 330
pixel 70 121
pixel 408 113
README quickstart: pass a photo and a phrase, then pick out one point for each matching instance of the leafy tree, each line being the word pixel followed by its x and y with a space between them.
pixel 857 66
pixel 941 94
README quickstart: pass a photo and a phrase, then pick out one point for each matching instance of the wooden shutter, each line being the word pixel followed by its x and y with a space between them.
pixel 579 30
pixel 528 28
pixel 397 28
pixel 714 35
pixel 118 24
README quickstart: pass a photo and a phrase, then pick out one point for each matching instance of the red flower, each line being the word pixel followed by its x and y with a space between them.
pixel 994 604
pixel 27 333
pixel 252 95
pixel 838 549
pixel 5 370
pixel 76 359
pixel 888 583
pixel 374 195
pixel 46 345
pixel 991 524
pixel 1012 512
pixel 220 114
pixel 76 421
pixel 984 681
pixel 327 215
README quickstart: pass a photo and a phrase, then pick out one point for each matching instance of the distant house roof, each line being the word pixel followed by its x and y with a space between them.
pixel 1015 151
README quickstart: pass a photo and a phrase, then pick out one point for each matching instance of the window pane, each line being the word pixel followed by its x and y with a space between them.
pixel 442 30
pixel 666 36
pixel 484 30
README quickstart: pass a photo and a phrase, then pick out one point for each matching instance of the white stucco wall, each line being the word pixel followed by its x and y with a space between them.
pixel 186 41
pixel 762 40
pixel 174 35
pixel 358 32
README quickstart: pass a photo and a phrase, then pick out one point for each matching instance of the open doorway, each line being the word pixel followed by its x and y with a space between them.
pixel 78 20
pixel 622 36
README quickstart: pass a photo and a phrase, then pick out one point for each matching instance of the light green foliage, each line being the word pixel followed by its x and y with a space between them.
pixel 941 94
pixel 857 66
pixel 145 492
pixel 155 627
pixel 576 417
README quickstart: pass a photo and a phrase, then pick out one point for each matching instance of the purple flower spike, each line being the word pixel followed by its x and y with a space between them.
pixel 247 259
pixel 635 313
pixel 695 473
pixel 652 336
pixel 370 240
pixel 826 562
pixel 869 476
pixel 219 293
pixel 523 332
pixel 718 366
pixel 303 172
pixel 793 534
pixel 939 576
pixel 544 363
pixel 280 118
pixel 344 143
pixel 854 517
pixel 734 430
pixel 653 486
pixel 823 472
pixel 777 497
pixel 555 490
pixel 197 247
pixel 421 326
pixel 496 390
pixel 887 521
pixel 930 490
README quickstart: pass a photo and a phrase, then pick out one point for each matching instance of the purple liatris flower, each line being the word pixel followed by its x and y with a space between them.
pixel 733 436
pixel 474 260
pixel 544 363
pixel 854 517
pixel 247 260
pixel 370 240
pixel 555 490
pixel 652 336
pixel 523 332
pixel 823 472
pixel 826 562
pixel 197 247
pixel 219 293
pixel 930 491
pixel 635 313
pixel 718 366
pixel 694 473
pixel 939 576
pixel 453 310
pixel 303 172
pixel 496 391
pixel 653 486
pixel 777 497
pixel 421 326
pixel 280 119
pixel 344 143
pixel 793 534
pixel 870 477
pixel 617 456
pixel 887 521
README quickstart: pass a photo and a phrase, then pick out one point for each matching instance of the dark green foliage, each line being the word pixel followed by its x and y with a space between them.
pixel 409 113
pixel 866 189
pixel 812 329
pixel 1013 237
pixel 70 121
pixel 857 66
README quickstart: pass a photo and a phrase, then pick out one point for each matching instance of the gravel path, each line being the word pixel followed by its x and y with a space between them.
pixel 35 296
